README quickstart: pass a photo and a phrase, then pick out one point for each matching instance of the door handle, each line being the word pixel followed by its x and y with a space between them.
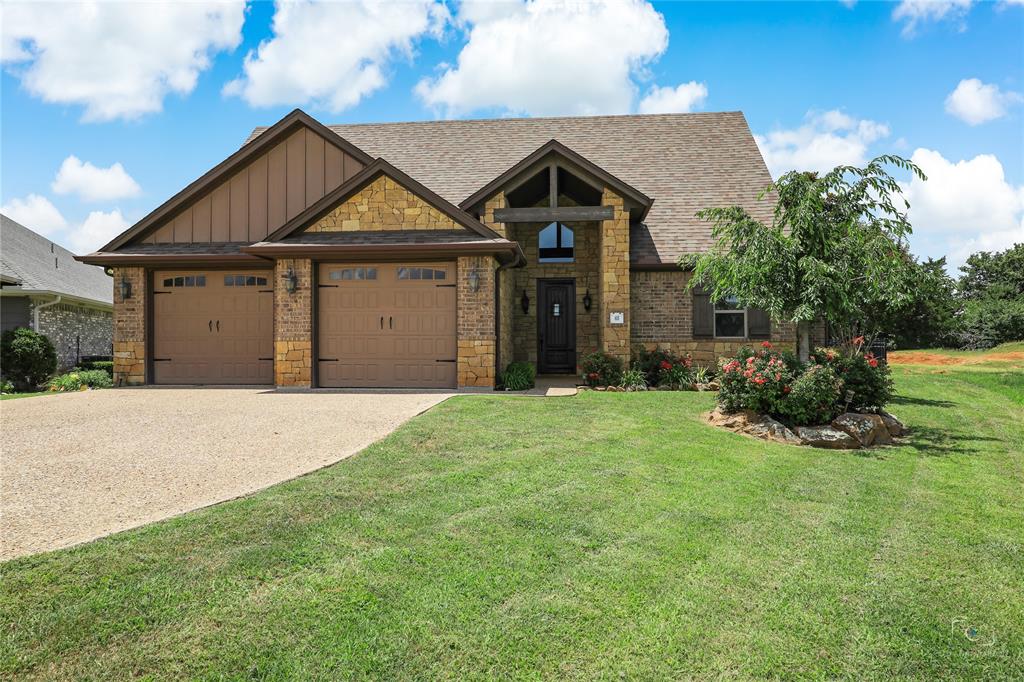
pixel 391 322
pixel 381 321
pixel 211 325
pixel 218 326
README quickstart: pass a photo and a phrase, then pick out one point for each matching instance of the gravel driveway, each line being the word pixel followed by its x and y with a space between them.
pixel 79 466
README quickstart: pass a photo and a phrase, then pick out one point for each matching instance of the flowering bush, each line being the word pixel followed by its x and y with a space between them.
pixel 867 383
pixel 757 380
pixel 80 379
pixel 654 363
pixel 601 369
pixel 813 398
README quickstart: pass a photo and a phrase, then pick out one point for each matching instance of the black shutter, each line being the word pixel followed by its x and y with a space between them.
pixel 703 314
pixel 759 325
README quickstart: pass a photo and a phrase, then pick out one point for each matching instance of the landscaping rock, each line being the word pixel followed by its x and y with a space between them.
pixel 769 429
pixel 892 424
pixel 714 386
pixel 737 421
pixel 868 429
pixel 826 437
pixel 753 424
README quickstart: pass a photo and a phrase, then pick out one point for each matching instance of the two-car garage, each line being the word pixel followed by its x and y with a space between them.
pixel 382 325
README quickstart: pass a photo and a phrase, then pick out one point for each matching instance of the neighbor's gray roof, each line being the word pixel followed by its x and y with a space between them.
pixel 685 162
pixel 38 264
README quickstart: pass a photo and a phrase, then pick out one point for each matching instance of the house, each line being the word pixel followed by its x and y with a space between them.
pixel 44 288
pixel 432 254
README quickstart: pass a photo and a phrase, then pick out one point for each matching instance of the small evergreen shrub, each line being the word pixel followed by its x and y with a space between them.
pixel 813 398
pixel 105 365
pixel 601 369
pixel 519 376
pixel 27 359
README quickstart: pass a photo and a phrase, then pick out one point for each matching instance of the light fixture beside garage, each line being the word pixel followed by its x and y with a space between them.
pixel 126 288
pixel 587 301
pixel 291 281
pixel 474 280
pixel 525 302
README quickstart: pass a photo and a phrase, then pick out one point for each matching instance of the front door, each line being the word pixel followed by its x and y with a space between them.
pixel 556 326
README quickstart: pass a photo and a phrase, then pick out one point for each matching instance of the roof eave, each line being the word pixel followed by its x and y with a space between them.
pixel 170 259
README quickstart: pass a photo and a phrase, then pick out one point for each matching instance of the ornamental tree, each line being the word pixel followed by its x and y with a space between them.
pixel 836 250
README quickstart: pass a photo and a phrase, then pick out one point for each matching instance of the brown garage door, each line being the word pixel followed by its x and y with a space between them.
pixel 387 325
pixel 213 327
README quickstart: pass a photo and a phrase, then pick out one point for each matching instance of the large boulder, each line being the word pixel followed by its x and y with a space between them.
pixel 769 429
pixel 892 424
pixel 737 421
pixel 868 429
pixel 826 437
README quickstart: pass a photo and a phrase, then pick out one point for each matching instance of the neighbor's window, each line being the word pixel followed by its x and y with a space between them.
pixel 555 244
pixel 730 318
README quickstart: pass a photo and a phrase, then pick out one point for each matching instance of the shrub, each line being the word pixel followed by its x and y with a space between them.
pixel 519 376
pixel 866 382
pixel 601 369
pixel 27 358
pixel 77 379
pixel 989 322
pixel 653 362
pixel 756 380
pixel 105 365
pixel 6 386
pixel 634 380
pixel 677 376
pixel 812 398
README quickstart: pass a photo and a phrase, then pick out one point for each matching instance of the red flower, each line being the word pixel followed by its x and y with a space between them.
pixel 873 363
pixel 858 341
pixel 592 375
pixel 688 361
pixel 778 377
pixel 665 364
pixel 749 373
pixel 759 380
pixel 766 344
pixel 750 361
pixel 786 389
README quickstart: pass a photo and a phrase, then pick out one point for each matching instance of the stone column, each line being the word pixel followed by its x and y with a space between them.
pixel 476 338
pixel 614 268
pixel 130 327
pixel 506 290
pixel 293 324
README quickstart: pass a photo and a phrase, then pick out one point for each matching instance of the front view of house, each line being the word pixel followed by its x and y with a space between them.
pixel 432 254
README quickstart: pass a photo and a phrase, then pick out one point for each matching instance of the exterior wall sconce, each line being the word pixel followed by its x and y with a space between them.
pixel 587 301
pixel 525 302
pixel 474 280
pixel 126 289
pixel 291 281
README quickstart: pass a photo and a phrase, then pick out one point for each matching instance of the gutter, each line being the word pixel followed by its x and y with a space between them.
pixel 36 309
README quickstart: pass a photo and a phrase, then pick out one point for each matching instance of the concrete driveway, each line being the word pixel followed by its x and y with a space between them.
pixel 79 466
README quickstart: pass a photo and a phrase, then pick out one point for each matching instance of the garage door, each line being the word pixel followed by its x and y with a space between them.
pixel 387 325
pixel 213 327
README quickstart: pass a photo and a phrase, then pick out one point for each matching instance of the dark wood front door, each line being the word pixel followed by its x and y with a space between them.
pixel 556 326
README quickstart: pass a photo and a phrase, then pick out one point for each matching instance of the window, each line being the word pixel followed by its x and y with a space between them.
pixel 244 281
pixel 189 281
pixel 555 244
pixel 421 273
pixel 730 318
pixel 349 274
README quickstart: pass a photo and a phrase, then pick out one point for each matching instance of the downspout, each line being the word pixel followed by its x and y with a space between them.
pixel 36 309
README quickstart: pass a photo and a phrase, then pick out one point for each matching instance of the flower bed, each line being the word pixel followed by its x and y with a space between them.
pixel 651 370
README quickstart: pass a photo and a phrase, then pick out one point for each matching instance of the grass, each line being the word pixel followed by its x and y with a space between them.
pixel 13 396
pixel 603 536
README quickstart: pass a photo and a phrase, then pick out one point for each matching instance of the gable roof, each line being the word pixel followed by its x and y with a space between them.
pixel 685 162
pixel 230 165
pixel 31 263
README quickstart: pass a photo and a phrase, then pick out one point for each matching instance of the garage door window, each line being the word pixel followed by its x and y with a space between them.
pixel 244 281
pixel 349 274
pixel 186 281
pixel 421 273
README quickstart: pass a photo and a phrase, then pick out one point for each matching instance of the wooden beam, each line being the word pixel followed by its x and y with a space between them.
pixel 553 185
pixel 544 214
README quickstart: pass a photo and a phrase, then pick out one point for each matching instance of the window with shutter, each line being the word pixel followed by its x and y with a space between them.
pixel 759 325
pixel 703 314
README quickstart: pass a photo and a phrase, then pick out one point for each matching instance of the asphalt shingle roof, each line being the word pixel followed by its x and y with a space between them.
pixel 685 162
pixel 40 265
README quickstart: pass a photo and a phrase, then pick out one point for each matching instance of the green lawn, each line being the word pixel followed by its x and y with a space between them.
pixel 603 536
pixel 13 396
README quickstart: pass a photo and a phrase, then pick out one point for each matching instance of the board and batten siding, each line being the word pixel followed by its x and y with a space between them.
pixel 263 196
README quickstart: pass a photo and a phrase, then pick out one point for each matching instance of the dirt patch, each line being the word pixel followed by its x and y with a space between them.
pixel 921 358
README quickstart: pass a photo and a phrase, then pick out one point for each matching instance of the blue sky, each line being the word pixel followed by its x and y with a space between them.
pixel 820 83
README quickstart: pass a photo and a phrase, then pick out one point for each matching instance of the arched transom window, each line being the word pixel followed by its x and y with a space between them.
pixel 555 244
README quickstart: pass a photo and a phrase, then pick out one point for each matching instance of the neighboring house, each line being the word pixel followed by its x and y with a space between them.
pixel 44 288
pixel 432 254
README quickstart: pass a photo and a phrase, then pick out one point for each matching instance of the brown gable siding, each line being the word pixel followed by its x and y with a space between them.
pixel 261 197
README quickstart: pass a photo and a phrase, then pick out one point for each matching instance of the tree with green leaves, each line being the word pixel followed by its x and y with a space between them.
pixel 836 249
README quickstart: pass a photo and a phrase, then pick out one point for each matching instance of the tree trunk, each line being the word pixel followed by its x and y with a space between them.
pixel 803 340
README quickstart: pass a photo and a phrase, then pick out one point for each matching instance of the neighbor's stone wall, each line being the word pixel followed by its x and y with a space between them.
pixel 475 327
pixel 614 267
pixel 130 328
pixel 293 324
pixel 76 331
pixel 384 205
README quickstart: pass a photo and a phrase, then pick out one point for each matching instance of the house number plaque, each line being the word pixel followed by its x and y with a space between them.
pixel 617 318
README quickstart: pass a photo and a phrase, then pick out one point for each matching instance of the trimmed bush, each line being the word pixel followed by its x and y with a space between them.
pixel 27 359
pixel 105 365
pixel 601 369
pixel 519 376
pixel 813 398
pixel 757 380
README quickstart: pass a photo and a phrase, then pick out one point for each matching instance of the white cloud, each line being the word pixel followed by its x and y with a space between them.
pixel 975 102
pixel 963 207
pixel 117 59
pixel 916 12
pixel 333 54
pixel 668 100
pixel 36 213
pixel 548 57
pixel 92 183
pixel 824 141
pixel 98 229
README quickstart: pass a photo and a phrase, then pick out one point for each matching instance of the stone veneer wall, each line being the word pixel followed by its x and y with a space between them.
pixel 293 324
pixel 384 205
pixel 76 331
pixel 475 328
pixel 130 328
pixel 506 288
pixel 615 281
